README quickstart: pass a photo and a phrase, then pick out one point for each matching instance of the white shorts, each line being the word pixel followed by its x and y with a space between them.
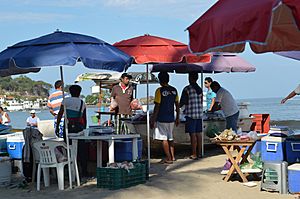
pixel 163 131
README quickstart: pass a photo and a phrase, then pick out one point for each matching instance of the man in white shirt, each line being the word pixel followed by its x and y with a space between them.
pixel 226 102
pixel 292 94
pixel 32 120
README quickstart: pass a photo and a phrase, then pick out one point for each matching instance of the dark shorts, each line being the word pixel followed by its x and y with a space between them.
pixel 193 125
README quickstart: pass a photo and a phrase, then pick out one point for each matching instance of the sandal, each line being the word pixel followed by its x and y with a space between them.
pixel 168 162
pixel 193 157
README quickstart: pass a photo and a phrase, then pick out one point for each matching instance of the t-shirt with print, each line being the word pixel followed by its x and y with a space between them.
pixel 166 96
pixel 123 98
pixel 227 102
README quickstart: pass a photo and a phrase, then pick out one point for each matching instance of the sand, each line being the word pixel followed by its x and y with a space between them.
pixel 183 179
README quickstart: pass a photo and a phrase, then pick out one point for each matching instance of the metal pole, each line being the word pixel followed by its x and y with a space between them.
pixel 66 129
pixel 148 116
pixel 203 134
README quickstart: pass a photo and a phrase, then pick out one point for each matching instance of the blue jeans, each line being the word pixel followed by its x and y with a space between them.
pixel 231 121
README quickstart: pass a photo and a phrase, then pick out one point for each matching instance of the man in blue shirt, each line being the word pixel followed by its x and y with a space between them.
pixel 210 95
pixel 163 119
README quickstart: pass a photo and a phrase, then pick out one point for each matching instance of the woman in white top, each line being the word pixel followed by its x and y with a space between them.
pixel 4 117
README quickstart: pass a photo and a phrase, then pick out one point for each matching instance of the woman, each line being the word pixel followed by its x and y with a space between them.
pixel 5 119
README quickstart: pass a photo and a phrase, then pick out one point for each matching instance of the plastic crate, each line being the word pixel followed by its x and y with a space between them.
pixel 120 178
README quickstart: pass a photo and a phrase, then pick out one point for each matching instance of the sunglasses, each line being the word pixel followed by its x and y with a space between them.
pixel 206 82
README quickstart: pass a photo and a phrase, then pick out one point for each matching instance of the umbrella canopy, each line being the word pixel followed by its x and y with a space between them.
pixel 12 70
pixel 220 62
pixel 64 48
pixel 290 54
pixel 149 49
pixel 268 25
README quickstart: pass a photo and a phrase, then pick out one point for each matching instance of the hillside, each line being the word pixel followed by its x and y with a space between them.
pixel 24 87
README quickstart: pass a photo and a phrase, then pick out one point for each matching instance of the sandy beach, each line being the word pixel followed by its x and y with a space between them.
pixel 183 179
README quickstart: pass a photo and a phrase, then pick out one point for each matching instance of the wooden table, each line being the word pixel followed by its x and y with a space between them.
pixel 244 148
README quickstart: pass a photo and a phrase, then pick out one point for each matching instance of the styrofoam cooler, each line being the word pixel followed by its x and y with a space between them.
pixel 272 149
pixel 15 143
pixel 123 150
pixel 292 150
pixel 5 171
pixel 294 178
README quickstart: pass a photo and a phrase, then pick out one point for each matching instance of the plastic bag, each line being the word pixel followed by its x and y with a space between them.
pixel 135 104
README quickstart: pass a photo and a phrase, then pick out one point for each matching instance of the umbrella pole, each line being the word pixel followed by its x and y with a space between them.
pixel 66 129
pixel 148 116
pixel 203 134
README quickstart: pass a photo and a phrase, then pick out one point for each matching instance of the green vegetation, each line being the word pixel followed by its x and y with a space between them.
pixel 24 87
pixel 94 98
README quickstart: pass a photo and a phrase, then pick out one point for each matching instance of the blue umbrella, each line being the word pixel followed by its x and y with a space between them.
pixel 63 48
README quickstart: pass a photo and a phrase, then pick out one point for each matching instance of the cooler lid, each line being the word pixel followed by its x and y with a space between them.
pixel 294 167
pixel 273 139
pixel 279 128
pixel 16 137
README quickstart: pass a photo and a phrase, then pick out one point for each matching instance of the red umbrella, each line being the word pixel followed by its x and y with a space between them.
pixel 268 25
pixel 149 49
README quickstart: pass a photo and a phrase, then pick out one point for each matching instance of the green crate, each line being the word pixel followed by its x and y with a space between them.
pixel 120 178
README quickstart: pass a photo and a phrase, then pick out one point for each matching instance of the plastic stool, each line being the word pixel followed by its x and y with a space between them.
pixel 275 182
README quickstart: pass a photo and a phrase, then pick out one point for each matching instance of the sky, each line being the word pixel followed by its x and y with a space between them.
pixel 115 20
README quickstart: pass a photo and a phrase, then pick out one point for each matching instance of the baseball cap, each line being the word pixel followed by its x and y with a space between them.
pixel 32 112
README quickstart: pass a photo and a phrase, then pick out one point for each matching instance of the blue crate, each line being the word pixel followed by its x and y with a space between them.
pixel 294 178
pixel 15 145
pixel 272 149
pixel 292 151
pixel 123 150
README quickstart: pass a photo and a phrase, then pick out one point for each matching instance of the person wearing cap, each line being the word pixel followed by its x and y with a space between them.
pixel 122 95
pixel 32 120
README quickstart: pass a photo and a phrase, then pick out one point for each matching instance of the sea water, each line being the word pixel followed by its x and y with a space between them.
pixel 287 114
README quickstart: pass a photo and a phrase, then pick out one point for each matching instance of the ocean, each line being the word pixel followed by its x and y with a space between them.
pixel 287 114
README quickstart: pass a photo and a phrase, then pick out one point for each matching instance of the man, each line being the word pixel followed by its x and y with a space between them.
pixel 76 114
pixel 226 102
pixel 163 116
pixel 191 98
pixel 291 95
pixel 210 95
pixel 54 103
pixel 32 120
pixel 122 95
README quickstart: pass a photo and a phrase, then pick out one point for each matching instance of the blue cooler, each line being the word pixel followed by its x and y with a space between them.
pixel 272 149
pixel 123 150
pixel 294 178
pixel 292 150
pixel 15 143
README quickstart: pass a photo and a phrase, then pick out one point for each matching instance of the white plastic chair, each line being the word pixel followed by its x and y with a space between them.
pixel 48 159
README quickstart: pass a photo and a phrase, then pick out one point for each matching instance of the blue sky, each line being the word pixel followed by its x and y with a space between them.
pixel 115 20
